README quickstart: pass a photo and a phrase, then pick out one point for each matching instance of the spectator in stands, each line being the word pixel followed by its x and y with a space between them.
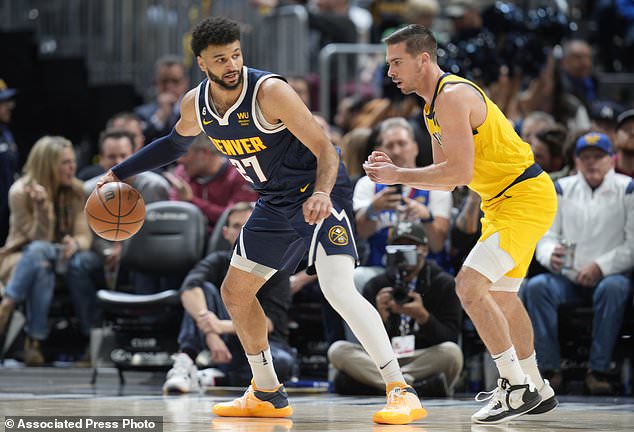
pixel 422 12
pixel 387 15
pixel 424 329
pixel 130 122
pixel 589 250
pixel 577 71
pixel 533 123
pixel 116 145
pixel 205 178
pixel 348 111
pixel 548 147
pixel 547 93
pixel 170 84
pixel 604 116
pixel 48 235
pixel 624 143
pixel 301 86
pixel 206 323
pixel 379 207
pixel 123 121
pixel 466 17
pixel 355 150
pixel 8 156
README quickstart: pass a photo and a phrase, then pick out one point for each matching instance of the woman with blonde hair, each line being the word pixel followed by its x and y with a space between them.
pixel 48 235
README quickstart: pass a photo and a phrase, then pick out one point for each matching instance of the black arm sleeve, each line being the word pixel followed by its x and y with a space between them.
pixel 158 153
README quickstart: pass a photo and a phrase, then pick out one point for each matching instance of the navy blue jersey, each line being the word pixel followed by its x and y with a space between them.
pixel 283 171
pixel 279 167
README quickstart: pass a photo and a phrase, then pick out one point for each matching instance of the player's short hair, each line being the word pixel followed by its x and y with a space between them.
pixel 241 206
pixel 115 134
pixel 417 39
pixel 214 31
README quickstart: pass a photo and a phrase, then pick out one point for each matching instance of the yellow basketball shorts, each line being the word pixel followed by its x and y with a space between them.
pixel 520 217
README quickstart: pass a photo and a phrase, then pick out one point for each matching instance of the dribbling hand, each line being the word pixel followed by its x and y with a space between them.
pixel 108 177
pixel 316 208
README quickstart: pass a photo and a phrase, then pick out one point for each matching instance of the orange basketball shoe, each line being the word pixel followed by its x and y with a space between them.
pixel 257 403
pixel 403 406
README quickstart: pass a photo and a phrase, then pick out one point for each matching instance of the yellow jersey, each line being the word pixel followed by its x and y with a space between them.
pixel 500 154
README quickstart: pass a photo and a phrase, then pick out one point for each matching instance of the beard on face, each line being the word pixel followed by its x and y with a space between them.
pixel 223 84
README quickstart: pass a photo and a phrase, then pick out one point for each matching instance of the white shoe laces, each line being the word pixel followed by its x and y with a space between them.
pixel 485 396
pixel 394 395
pixel 493 395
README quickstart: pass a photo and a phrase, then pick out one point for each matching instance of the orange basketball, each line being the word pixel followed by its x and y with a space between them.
pixel 115 211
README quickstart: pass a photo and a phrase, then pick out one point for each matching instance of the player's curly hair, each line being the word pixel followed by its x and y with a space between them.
pixel 214 31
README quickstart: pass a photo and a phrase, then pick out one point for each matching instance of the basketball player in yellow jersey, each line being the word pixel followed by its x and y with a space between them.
pixel 475 145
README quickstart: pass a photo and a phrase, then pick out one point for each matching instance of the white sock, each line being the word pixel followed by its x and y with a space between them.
pixel 264 375
pixel 509 366
pixel 529 366
pixel 337 284
pixel 391 372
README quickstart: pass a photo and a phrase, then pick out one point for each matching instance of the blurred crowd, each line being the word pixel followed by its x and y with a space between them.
pixel 541 65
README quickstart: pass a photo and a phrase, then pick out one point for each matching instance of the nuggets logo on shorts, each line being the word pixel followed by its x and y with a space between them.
pixel 338 235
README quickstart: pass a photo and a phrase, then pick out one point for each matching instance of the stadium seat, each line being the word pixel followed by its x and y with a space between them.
pixel 145 326
pixel 216 240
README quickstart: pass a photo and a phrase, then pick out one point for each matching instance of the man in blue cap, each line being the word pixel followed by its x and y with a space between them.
pixel 590 254
pixel 8 156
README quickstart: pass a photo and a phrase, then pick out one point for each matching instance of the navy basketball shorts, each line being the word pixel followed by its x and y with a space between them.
pixel 278 238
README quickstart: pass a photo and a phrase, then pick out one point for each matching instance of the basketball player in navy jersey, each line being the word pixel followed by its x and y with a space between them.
pixel 257 120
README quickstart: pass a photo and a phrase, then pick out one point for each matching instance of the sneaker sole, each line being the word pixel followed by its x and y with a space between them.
pixel 287 411
pixel 547 405
pixel 416 414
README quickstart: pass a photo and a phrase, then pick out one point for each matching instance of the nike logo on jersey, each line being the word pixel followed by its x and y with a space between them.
pixel 303 188
pixel 206 122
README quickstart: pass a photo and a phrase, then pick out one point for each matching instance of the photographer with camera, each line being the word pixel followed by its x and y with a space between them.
pixel 379 207
pixel 422 315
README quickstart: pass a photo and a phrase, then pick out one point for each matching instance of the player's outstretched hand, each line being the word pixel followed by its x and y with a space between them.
pixel 108 177
pixel 316 208
pixel 380 168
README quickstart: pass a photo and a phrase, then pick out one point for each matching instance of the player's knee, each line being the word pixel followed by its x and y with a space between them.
pixel 467 293
pixel 231 296
pixel 471 287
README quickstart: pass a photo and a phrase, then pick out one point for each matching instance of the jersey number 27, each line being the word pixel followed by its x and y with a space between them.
pixel 251 161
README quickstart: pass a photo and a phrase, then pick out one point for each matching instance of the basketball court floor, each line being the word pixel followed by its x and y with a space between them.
pixel 67 392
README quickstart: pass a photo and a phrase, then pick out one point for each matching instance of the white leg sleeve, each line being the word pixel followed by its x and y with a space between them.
pixel 337 284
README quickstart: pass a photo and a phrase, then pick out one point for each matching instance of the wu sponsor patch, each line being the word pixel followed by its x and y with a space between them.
pixel 338 235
